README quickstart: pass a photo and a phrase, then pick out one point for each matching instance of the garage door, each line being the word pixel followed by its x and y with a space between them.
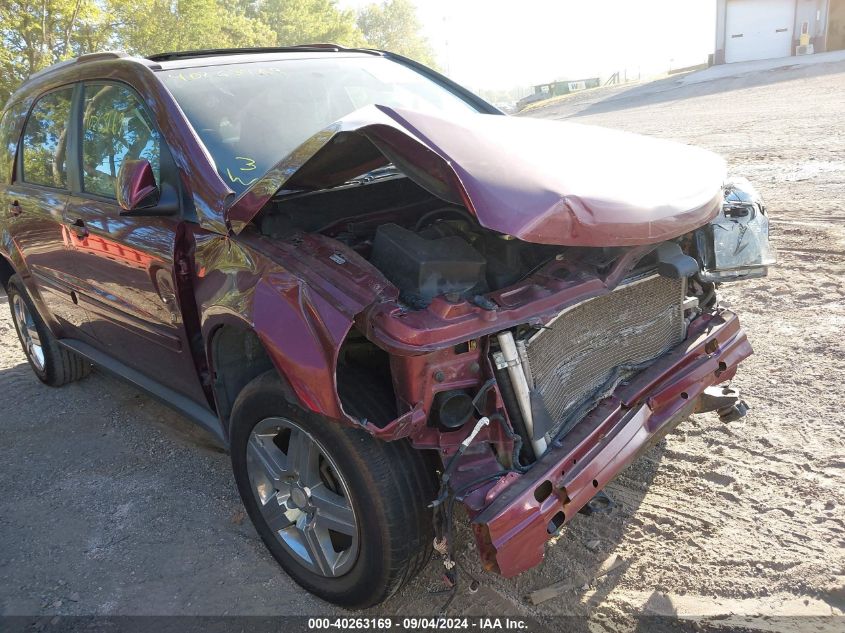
pixel 758 29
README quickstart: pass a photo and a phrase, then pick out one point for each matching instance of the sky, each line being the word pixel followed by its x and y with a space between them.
pixel 499 44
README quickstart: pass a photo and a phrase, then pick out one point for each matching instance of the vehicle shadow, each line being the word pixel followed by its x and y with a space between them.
pixel 99 382
pixel 583 560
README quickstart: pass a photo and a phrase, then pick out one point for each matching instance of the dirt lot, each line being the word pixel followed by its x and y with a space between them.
pixel 112 504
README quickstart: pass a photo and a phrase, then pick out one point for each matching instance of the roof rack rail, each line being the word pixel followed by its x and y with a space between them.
pixel 82 59
pixel 212 52
pixel 50 69
pixel 92 57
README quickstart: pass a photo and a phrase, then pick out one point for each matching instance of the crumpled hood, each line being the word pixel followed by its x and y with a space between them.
pixel 547 182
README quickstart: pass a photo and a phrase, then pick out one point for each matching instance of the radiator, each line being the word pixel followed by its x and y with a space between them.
pixel 589 348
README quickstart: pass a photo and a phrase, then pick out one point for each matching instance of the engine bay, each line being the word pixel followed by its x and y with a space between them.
pixel 424 246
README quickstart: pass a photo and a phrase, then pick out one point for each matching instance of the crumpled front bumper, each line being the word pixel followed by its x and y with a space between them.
pixel 520 514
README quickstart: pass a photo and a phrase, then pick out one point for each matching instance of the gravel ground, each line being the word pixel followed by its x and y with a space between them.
pixel 112 504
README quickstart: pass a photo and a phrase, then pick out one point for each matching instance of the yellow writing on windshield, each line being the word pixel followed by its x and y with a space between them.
pixel 247 164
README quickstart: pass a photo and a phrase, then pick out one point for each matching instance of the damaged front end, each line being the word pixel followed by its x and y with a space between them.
pixel 538 352
pixel 635 344
pixel 512 523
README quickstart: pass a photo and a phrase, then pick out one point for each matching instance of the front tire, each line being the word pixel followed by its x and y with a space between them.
pixel 53 364
pixel 344 514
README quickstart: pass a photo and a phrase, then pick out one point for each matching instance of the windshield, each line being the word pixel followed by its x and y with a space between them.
pixel 251 115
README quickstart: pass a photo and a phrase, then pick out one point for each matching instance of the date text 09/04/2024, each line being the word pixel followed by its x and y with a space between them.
pixel 419 623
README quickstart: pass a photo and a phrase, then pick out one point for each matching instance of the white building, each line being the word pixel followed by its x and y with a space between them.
pixel 762 29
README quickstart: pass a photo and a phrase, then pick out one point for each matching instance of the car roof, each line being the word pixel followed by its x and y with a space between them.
pixel 67 71
pixel 182 59
pixel 68 63
pixel 258 50
pixel 220 57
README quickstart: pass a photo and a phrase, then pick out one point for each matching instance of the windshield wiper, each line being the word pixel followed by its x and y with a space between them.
pixel 388 171
pixel 376 174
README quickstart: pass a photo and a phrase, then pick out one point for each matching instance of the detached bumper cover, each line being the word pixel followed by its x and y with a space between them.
pixel 513 527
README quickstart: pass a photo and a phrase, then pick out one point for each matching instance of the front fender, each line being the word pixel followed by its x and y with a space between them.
pixel 299 327
pixel 302 333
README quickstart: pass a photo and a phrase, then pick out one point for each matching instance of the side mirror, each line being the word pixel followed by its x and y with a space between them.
pixel 137 191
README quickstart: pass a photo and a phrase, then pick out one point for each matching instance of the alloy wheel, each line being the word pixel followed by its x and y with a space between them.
pixel 27 331
pixel 303 496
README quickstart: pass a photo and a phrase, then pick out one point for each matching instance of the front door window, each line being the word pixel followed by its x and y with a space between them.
pixel 116 127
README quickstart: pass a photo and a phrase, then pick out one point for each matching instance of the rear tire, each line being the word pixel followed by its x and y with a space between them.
pixel 387 484
pixel 53 364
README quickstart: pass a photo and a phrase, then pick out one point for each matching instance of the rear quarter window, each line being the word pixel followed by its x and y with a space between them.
pixel 45 140
pixel 10 130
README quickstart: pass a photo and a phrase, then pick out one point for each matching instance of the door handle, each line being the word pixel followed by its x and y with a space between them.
pixel 15 209
pixel 78 226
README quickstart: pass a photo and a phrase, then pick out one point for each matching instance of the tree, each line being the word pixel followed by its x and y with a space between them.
pixel 146 27
pixel 393 26
pixel 38 33
pixel 309 22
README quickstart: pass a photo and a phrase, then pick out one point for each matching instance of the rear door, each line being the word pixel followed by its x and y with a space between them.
pixel 35 204
pixel 124 266
pixel 11 125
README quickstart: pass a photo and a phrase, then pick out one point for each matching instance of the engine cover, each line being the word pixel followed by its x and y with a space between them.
pixel 426 268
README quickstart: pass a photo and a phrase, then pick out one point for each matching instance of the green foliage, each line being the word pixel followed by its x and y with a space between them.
pixel 37 33
pixel 393 26
pixel 310 21
pixel 146 27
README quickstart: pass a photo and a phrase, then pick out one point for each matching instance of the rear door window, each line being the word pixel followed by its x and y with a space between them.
pixel 45 140
pixel 10 130
pixel 115 127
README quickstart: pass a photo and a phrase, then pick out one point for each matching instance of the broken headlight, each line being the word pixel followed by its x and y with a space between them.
pixel 735 245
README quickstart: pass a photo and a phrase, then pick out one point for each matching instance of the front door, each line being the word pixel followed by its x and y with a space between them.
pixel 125 265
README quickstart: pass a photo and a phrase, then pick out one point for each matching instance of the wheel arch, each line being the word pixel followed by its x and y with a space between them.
pixel 6 271
pixel 300 333
pixel 11 259
pixel 12 263
pixel 236 355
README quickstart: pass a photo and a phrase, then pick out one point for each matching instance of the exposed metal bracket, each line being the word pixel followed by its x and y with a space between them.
pixel 724 400
pixel 510 356
pixel 599 504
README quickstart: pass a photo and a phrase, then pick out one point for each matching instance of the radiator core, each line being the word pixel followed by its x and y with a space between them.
pixel 590 347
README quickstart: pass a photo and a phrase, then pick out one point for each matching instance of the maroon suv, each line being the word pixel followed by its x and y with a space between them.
pixel 381 294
